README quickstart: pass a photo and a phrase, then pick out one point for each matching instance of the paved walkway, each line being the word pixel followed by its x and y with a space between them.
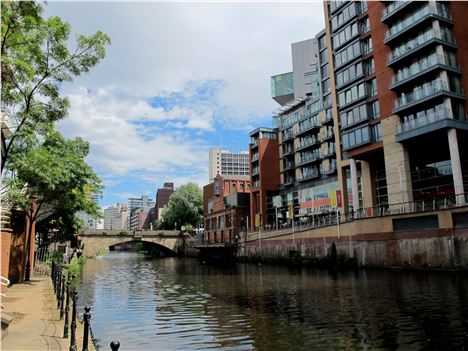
pixel 36 324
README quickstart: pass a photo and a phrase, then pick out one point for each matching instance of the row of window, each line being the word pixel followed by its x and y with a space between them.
pixel 361 136
pixel 360 113
pixel 344 15
pixel 357 92
pixel 345 35
pixel 354 50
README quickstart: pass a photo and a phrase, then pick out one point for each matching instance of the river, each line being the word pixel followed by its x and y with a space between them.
pixel 181 304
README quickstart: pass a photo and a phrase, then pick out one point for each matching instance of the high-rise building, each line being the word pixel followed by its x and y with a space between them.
pixel 227 163
pixel 138 205
pixel 116 217
pixel 388 124
pixel 399 99
pixel 162 198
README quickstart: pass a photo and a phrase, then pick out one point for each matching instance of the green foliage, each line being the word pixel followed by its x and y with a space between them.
pixel 35 61
pixel 123 232
pixel 55 171
pixel 184 208
pixel 74 269
pixel 53 257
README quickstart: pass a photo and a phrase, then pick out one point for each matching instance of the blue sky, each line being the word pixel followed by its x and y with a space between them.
pixel 177 80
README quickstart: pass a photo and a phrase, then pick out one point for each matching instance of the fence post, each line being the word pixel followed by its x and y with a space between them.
pixel 73 322
pixel 67 309
pixel 86 318
pixel 62 296
pixel 115 345
pixel 59 288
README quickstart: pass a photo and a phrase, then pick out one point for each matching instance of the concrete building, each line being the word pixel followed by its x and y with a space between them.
pixel 140 219
pixel 162 199
pixel 227 163
pixel 116 217
pixel 225 208
pixel 398 97
pixel 144 203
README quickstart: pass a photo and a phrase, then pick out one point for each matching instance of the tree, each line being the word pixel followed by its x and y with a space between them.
pixel 35 61
pixel 55 177
pixel 184 208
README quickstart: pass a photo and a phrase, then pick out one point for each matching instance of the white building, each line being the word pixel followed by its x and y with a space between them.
pixel 116 217
pixel 227 163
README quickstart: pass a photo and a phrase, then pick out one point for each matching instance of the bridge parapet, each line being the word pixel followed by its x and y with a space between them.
pixel 95 241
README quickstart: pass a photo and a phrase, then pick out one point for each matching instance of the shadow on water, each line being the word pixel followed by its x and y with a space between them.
pixel 181 304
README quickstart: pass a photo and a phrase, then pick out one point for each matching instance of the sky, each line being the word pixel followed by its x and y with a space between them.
pixel 178 79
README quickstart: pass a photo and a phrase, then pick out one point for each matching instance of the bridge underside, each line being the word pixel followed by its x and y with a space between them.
pixel 143 246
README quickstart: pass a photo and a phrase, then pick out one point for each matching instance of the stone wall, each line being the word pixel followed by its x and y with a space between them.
pixel 373 242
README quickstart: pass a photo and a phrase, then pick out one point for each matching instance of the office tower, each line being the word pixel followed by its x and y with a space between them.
pixel 228 164
pixel 116 217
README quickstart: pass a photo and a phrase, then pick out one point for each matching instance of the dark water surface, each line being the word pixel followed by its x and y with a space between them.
pixel 177 304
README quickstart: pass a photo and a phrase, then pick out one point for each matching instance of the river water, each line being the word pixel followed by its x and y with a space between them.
pixel 180 304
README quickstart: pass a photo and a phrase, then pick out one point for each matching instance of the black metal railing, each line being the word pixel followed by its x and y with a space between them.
pixel 318 220
pixel 67 299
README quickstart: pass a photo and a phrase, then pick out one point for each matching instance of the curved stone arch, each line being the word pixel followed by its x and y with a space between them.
pixel 167 251
pixel 93 243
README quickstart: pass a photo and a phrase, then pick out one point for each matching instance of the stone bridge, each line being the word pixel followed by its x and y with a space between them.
pixel 97 240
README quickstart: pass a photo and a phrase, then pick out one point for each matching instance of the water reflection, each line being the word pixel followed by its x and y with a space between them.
pixel 175 304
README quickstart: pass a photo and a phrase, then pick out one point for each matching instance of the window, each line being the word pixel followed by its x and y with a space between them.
pixel 349 74
pixel 366 46
pixel 345 35
pixel 343 16
pixel 356 138
pixel 375 109
pixel 369 67
pixel 372 87
pixel 352 94
pixel 349 53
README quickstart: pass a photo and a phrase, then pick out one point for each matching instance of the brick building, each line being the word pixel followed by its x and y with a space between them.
pixel 225 208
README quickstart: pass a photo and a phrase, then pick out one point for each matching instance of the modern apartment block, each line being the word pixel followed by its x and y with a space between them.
pixel 386 124
pixel 398 97
pixel 116 217
pixel 227 163
pixel 162 198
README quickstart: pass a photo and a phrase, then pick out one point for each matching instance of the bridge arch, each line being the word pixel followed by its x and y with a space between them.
pixel 146 245
pixel 95 241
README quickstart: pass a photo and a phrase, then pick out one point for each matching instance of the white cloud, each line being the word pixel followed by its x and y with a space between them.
pixel 117 147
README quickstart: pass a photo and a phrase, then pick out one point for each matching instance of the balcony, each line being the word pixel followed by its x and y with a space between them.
pixel 424 67
pixel 393 8
pixel 256 184
pixel 309 175
pixel 422 94
pixel 425 122
pixel 329 152
pixel 309 143
pixel 288 166
pixel 330 169
pixel 411 22
pixel 310 158
pixel 288 181
pixel 254 157
pixel 307 127
pixel 255 171
pixel 326 136
pixel 418 43
pixel 285 136
pixel 287 153
pixel 328 118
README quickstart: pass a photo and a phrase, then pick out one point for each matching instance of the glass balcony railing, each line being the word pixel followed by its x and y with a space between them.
pixel 307 142
pixel 393 7
pixel 256 184
pixel 254 157
pixel 419 68
pixel 310 157
pixel 308 173
pixel 424 118
pixel 415 44
pixel 255 171
pixel 421 92
pixel 413 19
pixel 287 136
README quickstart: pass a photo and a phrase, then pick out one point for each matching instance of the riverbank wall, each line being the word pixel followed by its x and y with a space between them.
pixel 437 239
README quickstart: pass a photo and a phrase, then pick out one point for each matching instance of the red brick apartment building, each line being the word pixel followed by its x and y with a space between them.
pixel 225 208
